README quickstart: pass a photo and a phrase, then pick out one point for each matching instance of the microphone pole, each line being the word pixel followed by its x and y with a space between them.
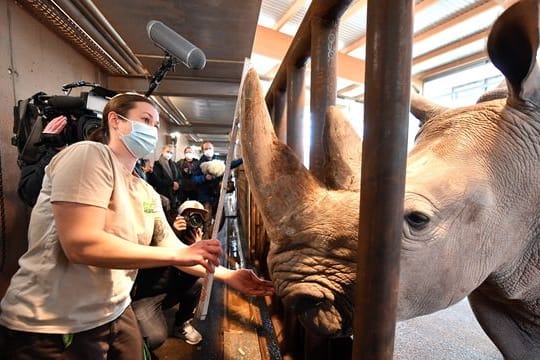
pixel 169 62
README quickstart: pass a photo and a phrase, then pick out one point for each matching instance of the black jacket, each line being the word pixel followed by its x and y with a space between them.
pixel 163 183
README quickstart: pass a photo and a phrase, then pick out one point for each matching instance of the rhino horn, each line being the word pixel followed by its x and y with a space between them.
pixel 512 45
pixel 424 109
pixel 280 184
pixel 342 152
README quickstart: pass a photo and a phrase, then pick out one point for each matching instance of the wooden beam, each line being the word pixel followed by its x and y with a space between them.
pixel 271 43
pixel 347 89
pixel 452 46
pixel 361 41
pixel 358 43
pixel 424 5
pixel 422 76
pixel 454 21
pixel 289 14
pixel 353 9
pixel 274 44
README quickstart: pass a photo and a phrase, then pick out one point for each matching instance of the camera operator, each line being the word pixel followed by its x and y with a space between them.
pixel 32 174
pixel 159 289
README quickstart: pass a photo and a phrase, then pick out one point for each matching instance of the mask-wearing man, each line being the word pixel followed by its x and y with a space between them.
pixel 187 167
pixel 188 154
pixel 166 177
pixel 208 151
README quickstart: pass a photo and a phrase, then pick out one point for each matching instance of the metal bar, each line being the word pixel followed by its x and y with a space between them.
pixel 324 35
pixel 298 52
pixel 296 102
pixel 202 308
pixel 104 27
pixel 69 8
pixel 388 70
pixel 278 116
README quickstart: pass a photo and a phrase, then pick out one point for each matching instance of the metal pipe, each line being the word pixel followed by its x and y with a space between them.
pixel 82 21
pixel 278 116
pixel 296 102
pixel 299 49
pixel 105 28
pixel 324 35
pixel 384 152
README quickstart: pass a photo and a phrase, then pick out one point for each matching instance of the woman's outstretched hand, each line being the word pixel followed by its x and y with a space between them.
pixel 247 282
pixel 205 253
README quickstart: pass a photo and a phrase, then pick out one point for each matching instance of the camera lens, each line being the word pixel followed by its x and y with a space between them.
pixel 195 220
pixel 86 126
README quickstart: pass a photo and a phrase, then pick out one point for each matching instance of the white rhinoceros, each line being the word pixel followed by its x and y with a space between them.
pixel 471 222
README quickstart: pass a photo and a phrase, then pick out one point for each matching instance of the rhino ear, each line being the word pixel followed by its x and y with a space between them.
pixel 342 152
pixel 512 45
pixel 424 109
pixel 279 182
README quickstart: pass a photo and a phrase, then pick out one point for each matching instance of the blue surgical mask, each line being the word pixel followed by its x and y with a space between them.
pixel 142 139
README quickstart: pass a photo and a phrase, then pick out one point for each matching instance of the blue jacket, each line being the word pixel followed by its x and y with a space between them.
pixel 208 190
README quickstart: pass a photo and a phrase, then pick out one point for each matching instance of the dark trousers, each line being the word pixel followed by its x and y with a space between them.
pixel 118 339
pixel 149 310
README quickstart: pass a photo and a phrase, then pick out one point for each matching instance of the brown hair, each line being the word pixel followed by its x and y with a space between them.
pixel 120 104
pixel 206 142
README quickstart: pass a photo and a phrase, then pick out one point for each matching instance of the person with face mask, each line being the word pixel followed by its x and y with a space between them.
pixel 166 177
pixel 187 166
pixel 208 186
pixel 94 224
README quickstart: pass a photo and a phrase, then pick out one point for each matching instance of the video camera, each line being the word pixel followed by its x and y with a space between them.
pixel 31 115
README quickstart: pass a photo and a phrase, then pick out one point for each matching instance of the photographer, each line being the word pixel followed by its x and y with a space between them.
pixel 159 289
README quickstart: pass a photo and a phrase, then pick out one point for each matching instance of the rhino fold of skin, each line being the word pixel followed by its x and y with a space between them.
pixel 471 222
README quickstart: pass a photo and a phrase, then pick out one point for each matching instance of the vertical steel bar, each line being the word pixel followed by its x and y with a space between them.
pixel 296 101
pixel 323 85
pixel 278 116
pixel 388 71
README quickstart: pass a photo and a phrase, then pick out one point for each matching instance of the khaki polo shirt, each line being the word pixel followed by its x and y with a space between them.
pixel 49 294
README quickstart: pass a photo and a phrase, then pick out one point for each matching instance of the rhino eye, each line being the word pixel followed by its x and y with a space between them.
pixel 417 220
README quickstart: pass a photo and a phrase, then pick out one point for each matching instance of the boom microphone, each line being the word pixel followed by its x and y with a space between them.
pixel 172 43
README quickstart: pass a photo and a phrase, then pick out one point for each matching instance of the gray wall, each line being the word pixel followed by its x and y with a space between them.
pixel 39 61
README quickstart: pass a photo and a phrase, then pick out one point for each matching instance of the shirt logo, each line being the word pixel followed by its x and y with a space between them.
pixel 148 207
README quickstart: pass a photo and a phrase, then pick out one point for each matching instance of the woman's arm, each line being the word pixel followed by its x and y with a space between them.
pixel 84 241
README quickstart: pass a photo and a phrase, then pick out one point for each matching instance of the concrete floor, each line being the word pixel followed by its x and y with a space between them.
pixel 451 334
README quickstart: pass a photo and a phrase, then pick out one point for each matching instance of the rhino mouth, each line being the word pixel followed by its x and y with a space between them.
pixel 318 315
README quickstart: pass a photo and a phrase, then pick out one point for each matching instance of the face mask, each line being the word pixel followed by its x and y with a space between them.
pixel 167 156
pixel 188 156
pixel 142 139
pixel 208 153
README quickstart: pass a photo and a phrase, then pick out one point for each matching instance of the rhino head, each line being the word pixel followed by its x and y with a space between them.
pixel 471 209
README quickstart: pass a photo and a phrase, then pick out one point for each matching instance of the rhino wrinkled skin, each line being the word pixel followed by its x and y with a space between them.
pixel 471 210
